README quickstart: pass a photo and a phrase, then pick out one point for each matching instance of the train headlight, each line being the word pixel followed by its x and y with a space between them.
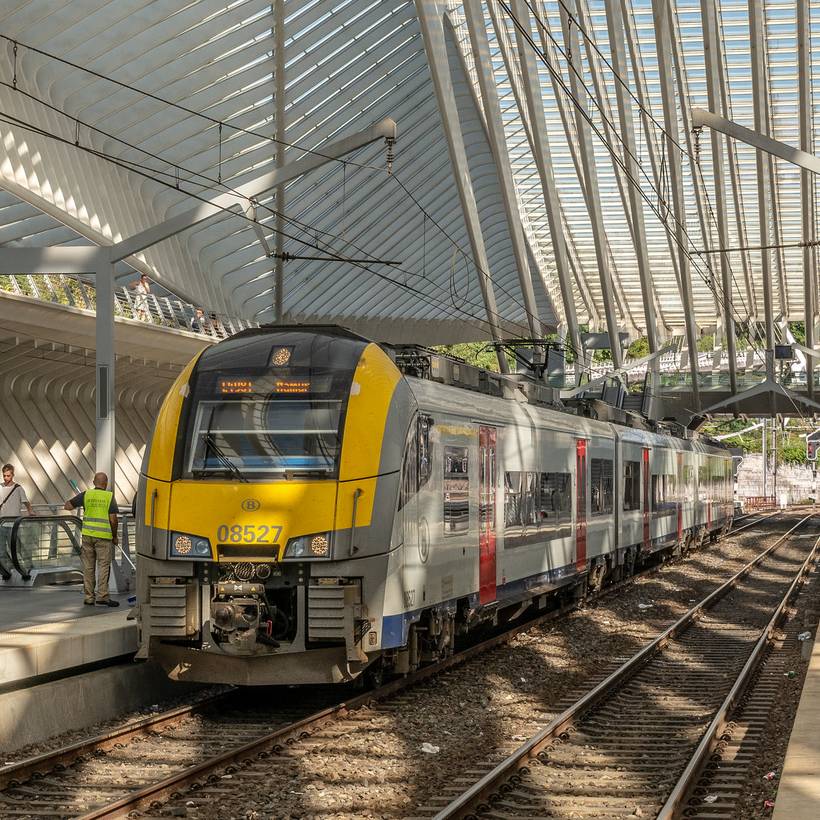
pixel 192 547
pixel 309 546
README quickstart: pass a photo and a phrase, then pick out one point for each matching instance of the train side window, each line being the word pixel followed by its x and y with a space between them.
pixel 456 490
pixel 409 473
pixel 632 485
pixel 425 457
pixel 554 498
pixel 512 499
pixel 601 485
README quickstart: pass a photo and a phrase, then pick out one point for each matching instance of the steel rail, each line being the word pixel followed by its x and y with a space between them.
pixel 493 782
pixel 154 793
pixel 66 755
pixel 712 737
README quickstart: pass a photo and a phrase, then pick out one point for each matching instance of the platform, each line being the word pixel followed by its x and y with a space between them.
pixel 49 630
pixel 798 797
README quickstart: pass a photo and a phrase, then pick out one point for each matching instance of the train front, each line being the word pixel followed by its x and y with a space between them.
pixel 260 557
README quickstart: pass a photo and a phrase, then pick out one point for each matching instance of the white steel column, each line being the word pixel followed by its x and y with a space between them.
pixel 618 55
pixel 540 147
pixel 105 395
pixel 761 111
pixel 594 200
pixel 663 37
pixel 78 260
pixel 432 30
pixel 474 15
pixel 279 125
pixel 806 180
pixel 710 34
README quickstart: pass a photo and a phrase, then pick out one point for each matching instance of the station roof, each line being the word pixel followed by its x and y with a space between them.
pixel 116 115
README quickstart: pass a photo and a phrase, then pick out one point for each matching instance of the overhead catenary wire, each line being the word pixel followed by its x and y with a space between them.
pixel 429 299
pixel 219 124
pixel 710 281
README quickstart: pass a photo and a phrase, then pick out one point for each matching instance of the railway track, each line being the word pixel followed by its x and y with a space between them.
pixel 638 742
pixel 147 762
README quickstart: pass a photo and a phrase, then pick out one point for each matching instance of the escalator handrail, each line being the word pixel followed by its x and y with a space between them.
pixel 62 520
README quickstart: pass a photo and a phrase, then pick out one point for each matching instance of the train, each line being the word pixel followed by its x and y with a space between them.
pixel 314 507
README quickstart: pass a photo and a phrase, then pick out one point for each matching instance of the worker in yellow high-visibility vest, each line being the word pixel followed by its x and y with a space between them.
pixel 99 538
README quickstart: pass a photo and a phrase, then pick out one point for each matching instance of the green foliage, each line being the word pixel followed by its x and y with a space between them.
pixel 706 343
pixel 799 331
pixel 638 348
pixel 791 448
pixel 480 354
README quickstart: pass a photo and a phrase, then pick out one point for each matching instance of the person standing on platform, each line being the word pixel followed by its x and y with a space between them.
pixel 12 495
pixel 198 321
pixel 99 538
pixel 142 287
pixel 12 501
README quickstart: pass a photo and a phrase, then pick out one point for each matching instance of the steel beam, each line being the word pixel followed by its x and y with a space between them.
pixel 567 123
pixel 761 118
pixel 430 17
pixel 594 200
pixel 474 14
pixel 698 184
pixel 618 56
pixel 279 125
pixel 386 129
pixel 663 37
pixel 804 104
pixel 57 259
pixel 710 40
pixel 539 145
pixel 105 421
pixel 639 76
pixel 716 122
pixel 74 260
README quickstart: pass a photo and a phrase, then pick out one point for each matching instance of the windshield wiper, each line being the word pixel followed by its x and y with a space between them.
pixel 211 444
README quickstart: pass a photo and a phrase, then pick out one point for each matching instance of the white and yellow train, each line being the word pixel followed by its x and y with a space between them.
pixel 308 510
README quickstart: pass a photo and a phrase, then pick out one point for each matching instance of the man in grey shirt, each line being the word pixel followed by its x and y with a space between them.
pixel 12 501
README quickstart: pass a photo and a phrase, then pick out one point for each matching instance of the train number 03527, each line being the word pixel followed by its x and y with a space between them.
pixel 248 533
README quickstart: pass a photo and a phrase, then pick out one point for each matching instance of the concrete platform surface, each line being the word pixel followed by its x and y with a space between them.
pixel 798 797
pixel 48 630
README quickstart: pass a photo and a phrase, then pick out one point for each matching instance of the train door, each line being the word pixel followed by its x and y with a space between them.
pixel 486 513
pixel 679 490
pixel 581 504
pixel 646 497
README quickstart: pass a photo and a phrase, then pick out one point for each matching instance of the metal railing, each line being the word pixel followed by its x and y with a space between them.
pixel 45 548
pixel 163 311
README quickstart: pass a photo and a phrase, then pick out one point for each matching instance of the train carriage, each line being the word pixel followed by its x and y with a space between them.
pixel 310 507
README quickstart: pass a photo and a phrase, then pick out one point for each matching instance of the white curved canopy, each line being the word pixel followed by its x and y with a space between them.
pixel 107 106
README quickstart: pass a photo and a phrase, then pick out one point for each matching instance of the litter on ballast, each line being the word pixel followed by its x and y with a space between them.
pixel 430 749
pixel 644 606
pixel 791 674
pixel 710 798
pixel 768 804
pixel 804 636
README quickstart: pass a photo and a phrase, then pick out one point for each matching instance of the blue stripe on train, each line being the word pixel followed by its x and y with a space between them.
pixel 396 627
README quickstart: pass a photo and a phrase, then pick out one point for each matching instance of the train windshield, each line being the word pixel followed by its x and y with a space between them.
pixel 270 423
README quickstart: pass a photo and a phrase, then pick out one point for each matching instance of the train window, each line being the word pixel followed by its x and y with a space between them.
pixel 664 494
pixel 425 455
pixel 512 499
pixel 554 499
pixel 632 485
pixel 456 490
pixel 601 485
pixel 409 474
pixel 688 480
